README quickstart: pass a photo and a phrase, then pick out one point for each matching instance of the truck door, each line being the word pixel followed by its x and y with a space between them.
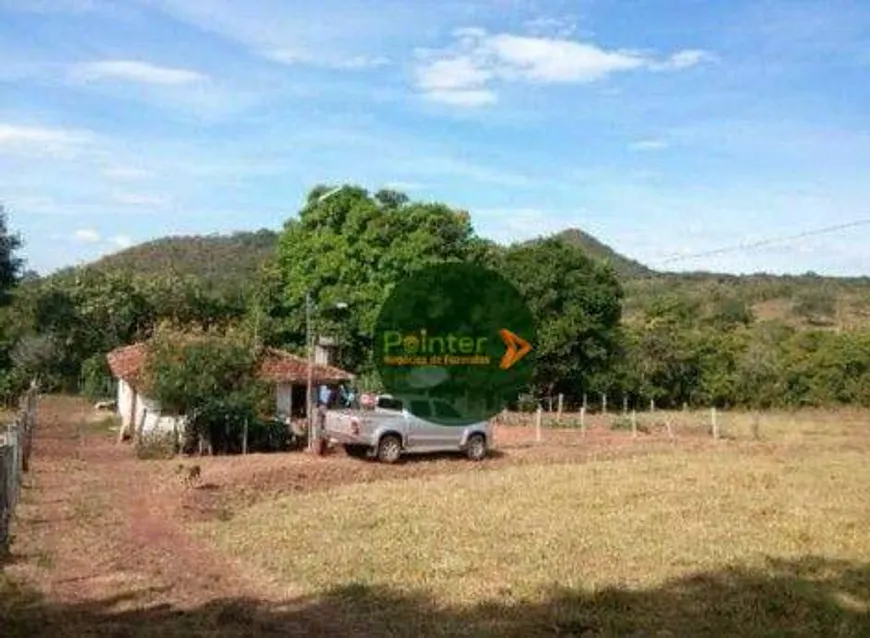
pixel 422 433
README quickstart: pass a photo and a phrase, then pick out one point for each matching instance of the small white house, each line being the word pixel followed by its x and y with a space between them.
pixel 288 372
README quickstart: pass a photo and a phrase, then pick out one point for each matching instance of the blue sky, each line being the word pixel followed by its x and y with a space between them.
pixel 659 127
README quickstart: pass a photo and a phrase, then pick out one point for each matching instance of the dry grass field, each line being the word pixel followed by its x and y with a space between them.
pixel 763 532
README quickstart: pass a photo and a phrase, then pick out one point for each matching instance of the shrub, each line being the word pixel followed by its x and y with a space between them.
pixel 156 445
pixel 624 423
pixel 621 423
pixel 96 378
pixel 268 436
pixel 186 371
pixel 222 423
pixel 527 403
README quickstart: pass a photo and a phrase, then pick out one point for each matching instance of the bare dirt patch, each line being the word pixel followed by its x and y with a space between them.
pixel 231 484
pixel 96 524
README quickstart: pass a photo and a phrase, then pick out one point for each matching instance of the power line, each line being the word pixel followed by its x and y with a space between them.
pixel 766 242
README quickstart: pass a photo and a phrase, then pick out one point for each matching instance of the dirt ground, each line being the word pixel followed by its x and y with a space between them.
pixel 102 547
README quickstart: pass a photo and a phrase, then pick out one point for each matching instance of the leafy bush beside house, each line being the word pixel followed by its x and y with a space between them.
pixel 211 378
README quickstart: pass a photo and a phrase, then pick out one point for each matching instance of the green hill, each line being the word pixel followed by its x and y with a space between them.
pixel 233 260
pixel 624 266
pixel 226 262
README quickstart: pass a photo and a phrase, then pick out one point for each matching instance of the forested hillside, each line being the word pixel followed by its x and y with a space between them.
pixel 231 263
pixel 226 262
pixel 625 267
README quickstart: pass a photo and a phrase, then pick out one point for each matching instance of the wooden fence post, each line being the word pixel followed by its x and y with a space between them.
pixel 5 505
pixel 715 423
pixel 624 404
pixel 634 423
pixel 538 416
pixel 245 439
pixel 603 403
pixel 583 420
pixel 559 407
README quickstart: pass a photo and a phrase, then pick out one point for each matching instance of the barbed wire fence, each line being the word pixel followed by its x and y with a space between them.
pixel 538 421
pixel 16 445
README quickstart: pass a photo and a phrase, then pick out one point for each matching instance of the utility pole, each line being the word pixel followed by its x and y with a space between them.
pixel 308 402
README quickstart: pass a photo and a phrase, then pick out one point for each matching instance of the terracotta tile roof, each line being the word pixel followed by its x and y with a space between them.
pixel 126 362
pixel 277 366
pixel 280 366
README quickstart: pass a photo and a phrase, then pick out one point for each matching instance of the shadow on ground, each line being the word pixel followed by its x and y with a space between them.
pixel 809 597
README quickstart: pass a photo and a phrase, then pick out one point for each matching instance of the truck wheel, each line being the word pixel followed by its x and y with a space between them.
pixel 389 448
pixel 475 447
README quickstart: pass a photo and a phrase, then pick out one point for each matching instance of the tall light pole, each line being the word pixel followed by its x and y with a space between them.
pixel 308 402
pixel 313 434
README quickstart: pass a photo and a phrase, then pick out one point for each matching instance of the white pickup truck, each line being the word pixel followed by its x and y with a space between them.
pixel 390 429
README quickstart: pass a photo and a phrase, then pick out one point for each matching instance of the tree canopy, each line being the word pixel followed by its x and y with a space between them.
pixel 10 263
pixel 577 305
pixel 350 248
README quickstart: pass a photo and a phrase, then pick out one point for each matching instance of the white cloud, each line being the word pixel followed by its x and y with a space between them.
pixel 121 241
pixel 87 235
pixel 463 97
pixel 290 57
pixel 139 199
pixel 135 71
pixel 344 35
pixel 12 134
pixel 684 60
pixel 653 144
pixel 462 74
pixel 452 73
pixel 39 141
pixel 551 60
pixel 363 62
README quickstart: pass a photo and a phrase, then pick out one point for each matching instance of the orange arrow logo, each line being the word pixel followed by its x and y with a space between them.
pixel 512 354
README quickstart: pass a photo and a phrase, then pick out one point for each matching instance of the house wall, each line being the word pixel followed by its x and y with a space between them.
pixel 154 420
pixel 134 407
pixel 125 399
pixel 283 399
pixel 324 352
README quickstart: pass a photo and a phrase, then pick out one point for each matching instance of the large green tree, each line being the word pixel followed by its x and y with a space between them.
pixel 10 271
pixel 350 246
pixel 577 306
pixel 10 262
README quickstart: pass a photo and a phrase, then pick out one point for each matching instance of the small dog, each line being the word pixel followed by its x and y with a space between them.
pixel 191 474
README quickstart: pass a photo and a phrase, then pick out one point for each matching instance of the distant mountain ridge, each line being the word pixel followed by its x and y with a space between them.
pixel 225 261
pixel 235 258
pixel 230 263
pixel 624 266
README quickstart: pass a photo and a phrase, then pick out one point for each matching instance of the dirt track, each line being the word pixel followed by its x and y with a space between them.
pixel 101 546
